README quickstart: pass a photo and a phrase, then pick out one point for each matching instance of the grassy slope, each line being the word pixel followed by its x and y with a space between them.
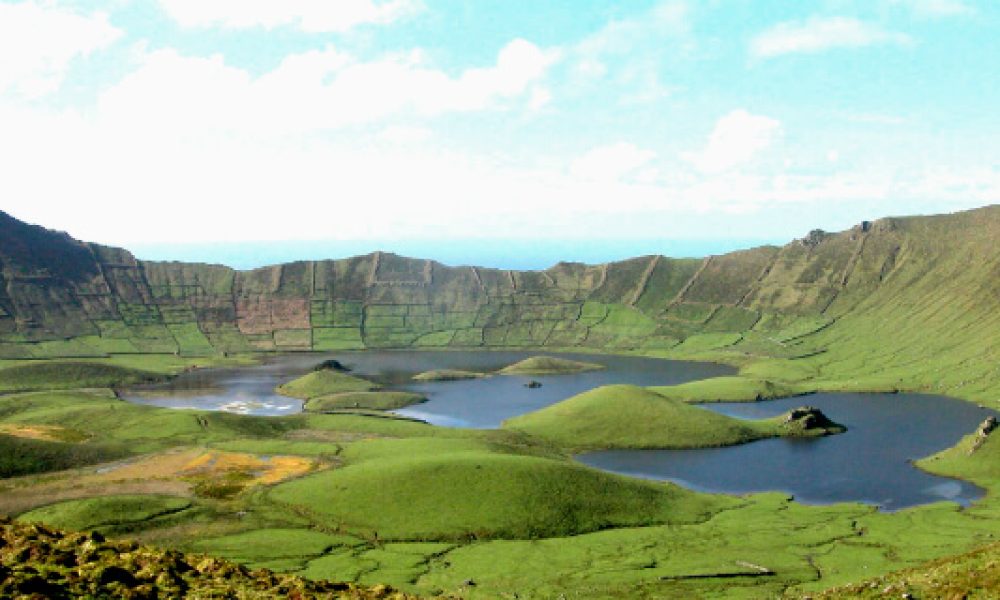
pixel 69 375
pixel 921 314
pixel 728 389
pixel 973 575
pixel 106 513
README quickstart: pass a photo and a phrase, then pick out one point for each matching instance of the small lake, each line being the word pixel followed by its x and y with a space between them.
pixel 870 463
pixel 477 403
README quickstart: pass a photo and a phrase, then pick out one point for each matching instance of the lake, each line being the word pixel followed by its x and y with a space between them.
pixel 478 403
pixel 871 463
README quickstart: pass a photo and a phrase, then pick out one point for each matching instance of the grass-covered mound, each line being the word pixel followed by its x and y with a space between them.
pixel 324 383
pixel 377 400
pixel 627 416
pixel 24 456
pixel 549 365
pixel 108 514
pixel 69 375
pixel 448 375
pixel 727 389
pixel 39 562
pixel 438 489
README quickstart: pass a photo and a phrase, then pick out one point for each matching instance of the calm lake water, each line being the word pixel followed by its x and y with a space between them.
pixel 870 463
pixel 477 403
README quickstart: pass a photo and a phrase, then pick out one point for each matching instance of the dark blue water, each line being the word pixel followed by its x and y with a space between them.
pixel 871 463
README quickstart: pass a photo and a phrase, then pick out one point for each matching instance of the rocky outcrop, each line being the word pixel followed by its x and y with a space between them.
pixel 983 432
pixel 810 421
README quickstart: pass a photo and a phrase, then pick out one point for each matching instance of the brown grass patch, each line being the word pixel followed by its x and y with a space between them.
pixel 176 472
pixel 262 470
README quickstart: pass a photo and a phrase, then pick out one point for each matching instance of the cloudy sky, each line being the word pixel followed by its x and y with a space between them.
pixel 525 127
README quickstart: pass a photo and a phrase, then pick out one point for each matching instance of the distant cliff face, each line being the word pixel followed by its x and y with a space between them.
pixel 61 297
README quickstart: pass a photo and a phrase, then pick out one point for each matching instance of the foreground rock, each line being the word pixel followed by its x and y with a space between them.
pixel 39 562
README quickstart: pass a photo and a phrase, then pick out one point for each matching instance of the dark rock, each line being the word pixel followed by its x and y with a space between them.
pixel 114 574
pixel 36 584
pixel 469 582
pixel 987 427
pixel 811 420
pixel 331 365
pixel 814 238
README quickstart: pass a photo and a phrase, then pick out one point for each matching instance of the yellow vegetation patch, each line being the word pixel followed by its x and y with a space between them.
pixel 47 433
pixel 263 470
pixel 175 472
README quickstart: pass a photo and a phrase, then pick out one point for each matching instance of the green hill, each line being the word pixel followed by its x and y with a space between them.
pixel 549 365
pixel 461 489
pixel 325 383
pixel 626 416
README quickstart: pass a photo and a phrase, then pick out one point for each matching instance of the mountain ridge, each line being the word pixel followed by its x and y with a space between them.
pixel 777 311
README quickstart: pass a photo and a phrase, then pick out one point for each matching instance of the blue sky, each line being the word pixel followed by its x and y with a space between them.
pixel 505 132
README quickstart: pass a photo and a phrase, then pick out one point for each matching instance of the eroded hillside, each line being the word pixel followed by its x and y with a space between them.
pixel 868 307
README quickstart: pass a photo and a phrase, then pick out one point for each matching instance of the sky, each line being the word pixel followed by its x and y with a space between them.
pixel 511 133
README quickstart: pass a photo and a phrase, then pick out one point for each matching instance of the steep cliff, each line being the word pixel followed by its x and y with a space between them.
pixel 899 302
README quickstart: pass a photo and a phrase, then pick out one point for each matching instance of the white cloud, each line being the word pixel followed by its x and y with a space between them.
pixel 314 16
pixel 611 163
pixel 821 33
pixel 211 186
pixel 737 139
pixel 629 54
pixel 936 8
pixel 401 134
pixel 39 41
pixel 315 91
